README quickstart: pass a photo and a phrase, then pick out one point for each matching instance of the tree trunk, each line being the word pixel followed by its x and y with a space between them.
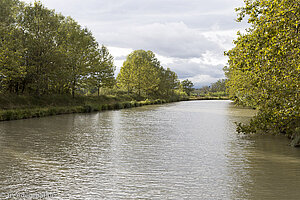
pixel 73 88
pixel 17 88
pixel 23 87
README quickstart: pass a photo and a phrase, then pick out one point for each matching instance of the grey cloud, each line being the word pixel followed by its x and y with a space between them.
pixel 172 40
pixel 120 57
pixel 186 69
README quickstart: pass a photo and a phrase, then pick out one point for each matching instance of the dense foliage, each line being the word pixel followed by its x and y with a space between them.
pixel 264 66
pixel 187 86
pixel 219 86
pixel 42 52
pixel 142 73
pixel 216 90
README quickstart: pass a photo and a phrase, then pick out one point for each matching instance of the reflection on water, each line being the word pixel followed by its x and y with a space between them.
pixel 185 150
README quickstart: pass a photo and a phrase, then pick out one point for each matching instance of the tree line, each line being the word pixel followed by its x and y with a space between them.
pixel 217 87
pixel 43 53
pixel 263 69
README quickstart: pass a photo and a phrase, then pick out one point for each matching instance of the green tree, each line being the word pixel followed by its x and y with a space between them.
pixel 140 71
pixel 263 69
pixel 39 26
pixel 102 70
pixel 169 82
pixel 219 86
pixel 187 86
pixel 80 50
pixel 124 78
pixel 12 69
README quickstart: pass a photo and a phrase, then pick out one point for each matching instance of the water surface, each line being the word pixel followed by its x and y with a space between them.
pixel 185 150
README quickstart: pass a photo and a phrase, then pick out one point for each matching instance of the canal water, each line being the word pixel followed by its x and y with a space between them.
pixel 184 150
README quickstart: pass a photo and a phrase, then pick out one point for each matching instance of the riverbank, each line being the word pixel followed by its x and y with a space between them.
pixel 196 98
pixel 24 107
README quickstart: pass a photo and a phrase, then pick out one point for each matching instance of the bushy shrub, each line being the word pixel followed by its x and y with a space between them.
pixel 118 106
pixel 127 105
pixel 104 107
pixel 110 106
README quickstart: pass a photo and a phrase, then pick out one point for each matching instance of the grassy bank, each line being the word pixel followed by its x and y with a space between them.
pixel 15 107
pixel 23 107
pixel 195 98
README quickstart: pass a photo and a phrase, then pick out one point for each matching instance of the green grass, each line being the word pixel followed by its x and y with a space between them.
pixel 8 102
pixel 209 98
pixel 23 107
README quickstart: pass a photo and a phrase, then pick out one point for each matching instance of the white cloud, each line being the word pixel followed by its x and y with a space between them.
pixel 165 60
pixel 119 52
pixel 202 80
pixel 119 55
pixel 210 58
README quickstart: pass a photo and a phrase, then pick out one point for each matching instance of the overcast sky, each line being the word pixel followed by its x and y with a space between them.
pixel 188 36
